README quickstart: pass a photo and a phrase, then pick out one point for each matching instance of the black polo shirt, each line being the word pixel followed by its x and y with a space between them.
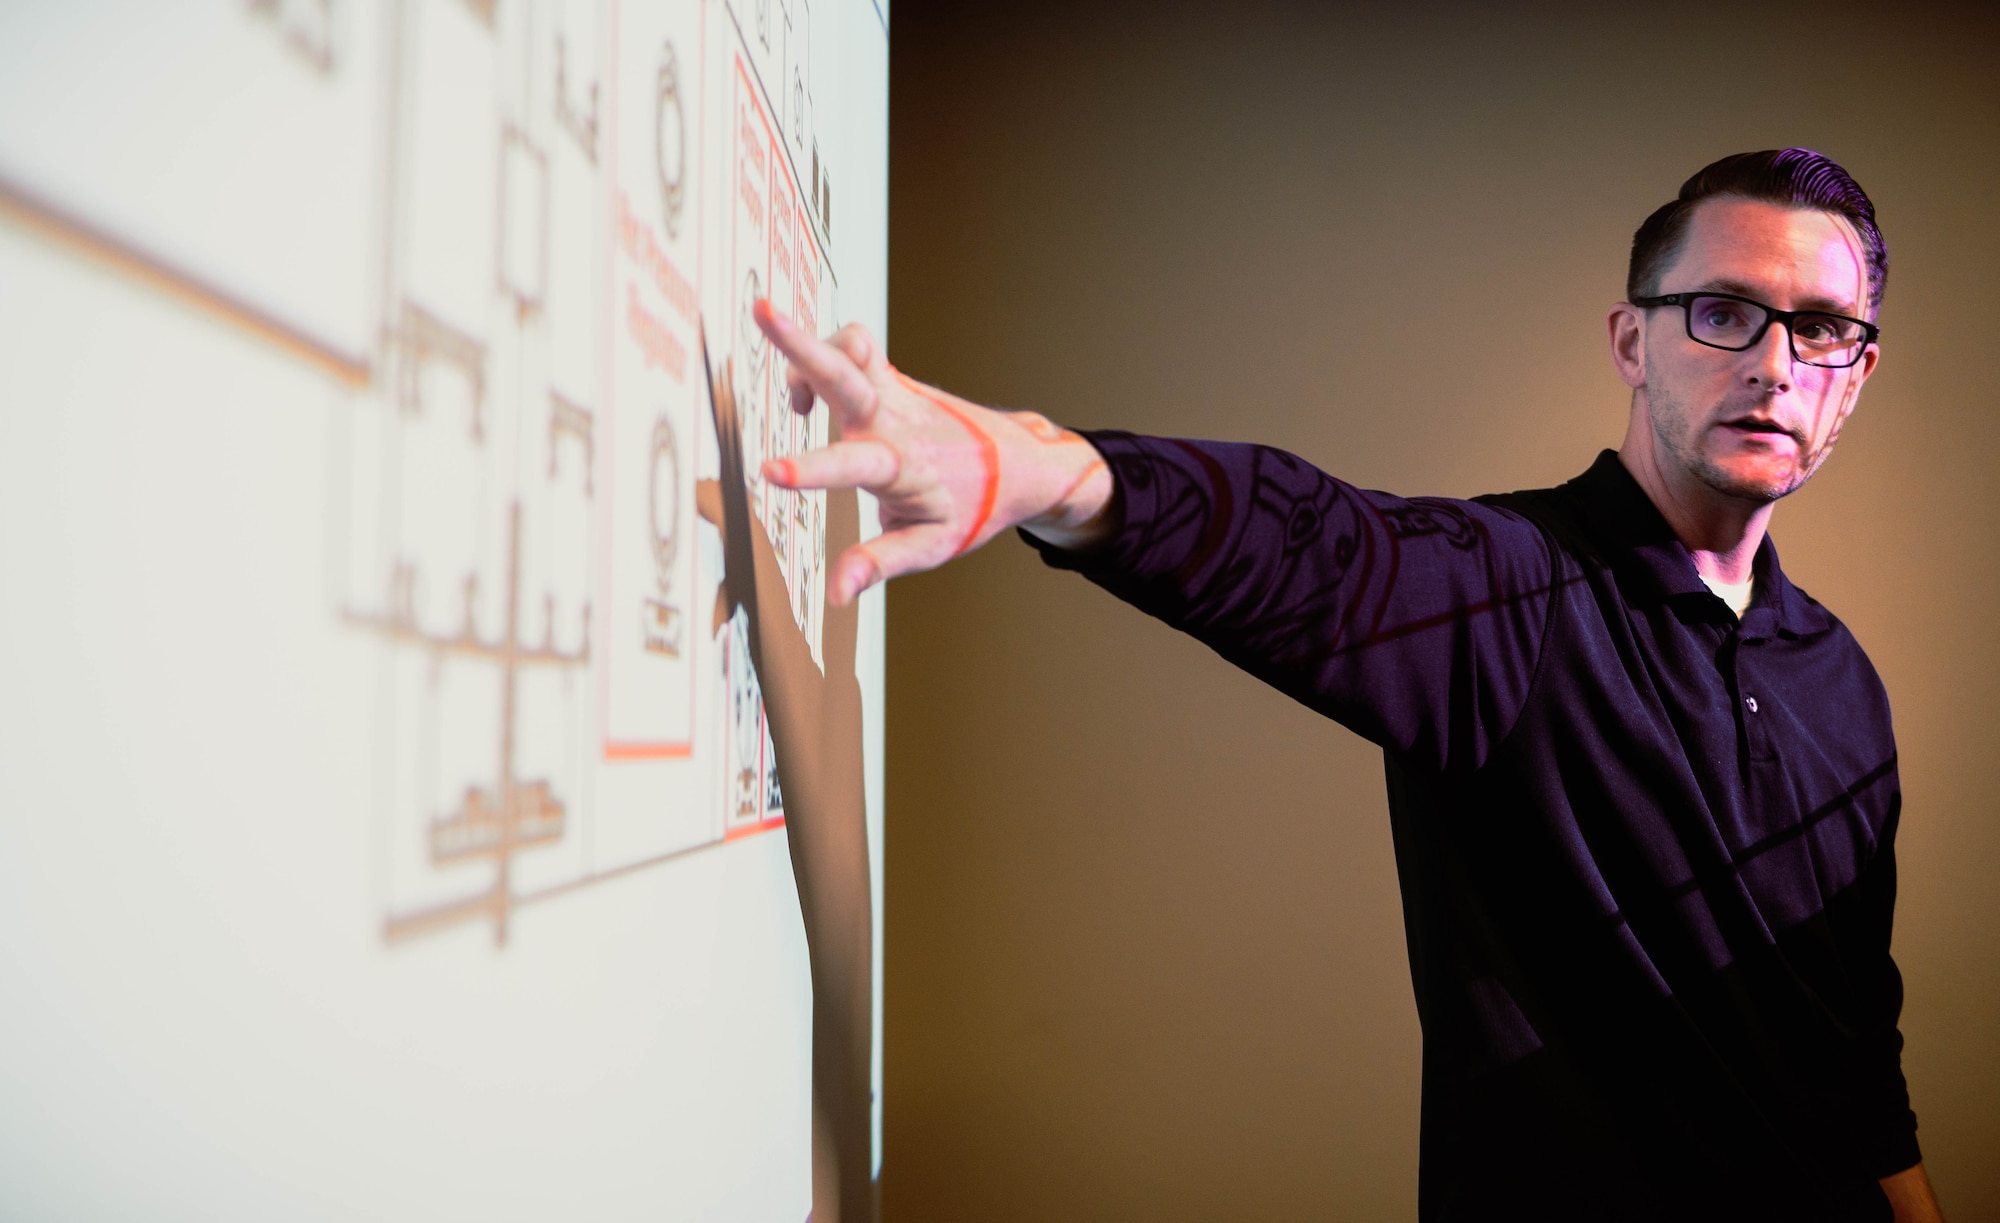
pixel 1645 849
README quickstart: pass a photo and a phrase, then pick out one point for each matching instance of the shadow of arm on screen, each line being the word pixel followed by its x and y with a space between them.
pixel 815 722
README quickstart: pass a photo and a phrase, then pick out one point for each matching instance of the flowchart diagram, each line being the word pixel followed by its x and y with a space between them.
pixel 524 539
pixel 503 232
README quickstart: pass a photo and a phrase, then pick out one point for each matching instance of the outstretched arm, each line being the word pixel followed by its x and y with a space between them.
pixel 948 474
pixel 1379 611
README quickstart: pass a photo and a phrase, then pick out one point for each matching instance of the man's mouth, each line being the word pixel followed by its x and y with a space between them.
pixel 1753 424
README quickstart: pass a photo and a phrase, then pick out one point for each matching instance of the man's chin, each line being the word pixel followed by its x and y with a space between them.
pixel 1761 483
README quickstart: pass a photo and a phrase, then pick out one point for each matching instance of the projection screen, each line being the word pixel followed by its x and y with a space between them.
pixel 391 815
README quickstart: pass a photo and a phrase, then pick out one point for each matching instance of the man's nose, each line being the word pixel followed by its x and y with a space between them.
pixel 1770 360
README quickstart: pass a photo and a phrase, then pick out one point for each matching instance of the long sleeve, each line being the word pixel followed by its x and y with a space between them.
pixel 1862 918
pixel 1416 623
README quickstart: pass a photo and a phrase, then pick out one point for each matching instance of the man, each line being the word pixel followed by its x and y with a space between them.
pixel 1643 789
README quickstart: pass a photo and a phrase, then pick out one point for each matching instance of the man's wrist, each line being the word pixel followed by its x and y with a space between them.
pixel 1083 510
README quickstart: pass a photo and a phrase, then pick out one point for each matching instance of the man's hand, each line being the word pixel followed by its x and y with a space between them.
pixel 949 474
pixel 1909 1192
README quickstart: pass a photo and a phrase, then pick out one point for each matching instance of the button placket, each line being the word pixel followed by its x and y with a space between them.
pixel 1756 710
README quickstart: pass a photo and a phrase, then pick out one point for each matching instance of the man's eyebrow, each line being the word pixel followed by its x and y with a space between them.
pixel 1831 305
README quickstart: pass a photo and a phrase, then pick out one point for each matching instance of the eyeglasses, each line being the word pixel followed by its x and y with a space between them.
pixel 1726 321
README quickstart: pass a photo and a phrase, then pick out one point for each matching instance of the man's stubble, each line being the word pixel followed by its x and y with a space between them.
pixel 1665 412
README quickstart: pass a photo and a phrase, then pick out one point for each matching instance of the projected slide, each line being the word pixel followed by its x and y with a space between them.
pixel 394 819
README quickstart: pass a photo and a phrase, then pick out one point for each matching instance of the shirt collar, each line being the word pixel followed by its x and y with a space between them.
pixel 1643 549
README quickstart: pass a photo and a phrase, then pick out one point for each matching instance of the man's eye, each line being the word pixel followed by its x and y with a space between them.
pixel 1816 330
pixel 1722 316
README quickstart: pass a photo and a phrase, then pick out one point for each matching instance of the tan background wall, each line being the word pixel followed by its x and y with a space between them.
pixel 1145 956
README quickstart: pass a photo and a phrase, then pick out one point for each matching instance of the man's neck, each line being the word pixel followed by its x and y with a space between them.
pixel 1720 532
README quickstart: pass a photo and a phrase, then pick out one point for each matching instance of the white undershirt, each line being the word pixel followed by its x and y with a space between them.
pixel 1736 594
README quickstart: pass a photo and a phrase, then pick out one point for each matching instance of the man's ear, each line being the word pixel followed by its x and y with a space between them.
pixel 1627 327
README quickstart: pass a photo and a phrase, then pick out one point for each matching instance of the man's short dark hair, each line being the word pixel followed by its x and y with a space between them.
pixel 1795 178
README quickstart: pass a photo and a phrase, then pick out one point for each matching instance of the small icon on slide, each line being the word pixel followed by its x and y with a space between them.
pixel 670 140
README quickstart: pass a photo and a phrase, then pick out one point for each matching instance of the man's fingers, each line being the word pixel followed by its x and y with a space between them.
pixel 827 370
pixel 868 463
pixel 888 555
pixel 798 391
pixel 859 346
pixel 854 571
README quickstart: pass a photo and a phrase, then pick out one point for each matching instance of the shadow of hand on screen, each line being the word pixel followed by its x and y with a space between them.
pixel 815 725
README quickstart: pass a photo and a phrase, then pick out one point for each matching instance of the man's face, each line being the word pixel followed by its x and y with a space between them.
pixel 1755 424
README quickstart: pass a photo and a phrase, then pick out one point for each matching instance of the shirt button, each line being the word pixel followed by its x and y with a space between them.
pixel 1750 703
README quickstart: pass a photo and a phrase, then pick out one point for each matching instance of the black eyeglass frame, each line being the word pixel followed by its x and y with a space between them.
pixel 1870 332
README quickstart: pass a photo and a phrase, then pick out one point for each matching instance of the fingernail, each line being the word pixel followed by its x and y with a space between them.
pixel 781 471
pixel 864 352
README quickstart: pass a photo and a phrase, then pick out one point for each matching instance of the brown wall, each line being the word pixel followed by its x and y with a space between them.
pixel 1144 949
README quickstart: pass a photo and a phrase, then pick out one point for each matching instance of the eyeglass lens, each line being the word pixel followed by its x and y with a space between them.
pixel 1817 339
